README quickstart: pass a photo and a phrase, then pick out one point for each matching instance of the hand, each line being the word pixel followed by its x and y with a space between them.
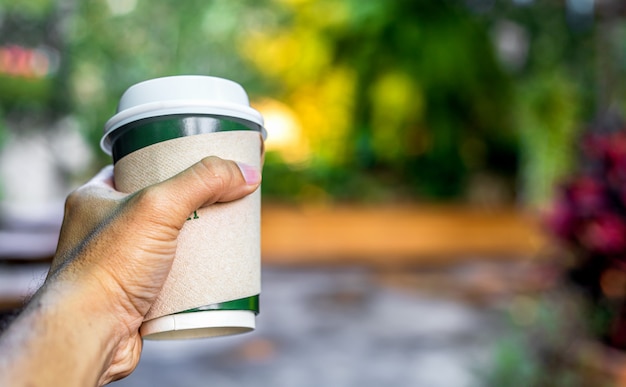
pixel 115 251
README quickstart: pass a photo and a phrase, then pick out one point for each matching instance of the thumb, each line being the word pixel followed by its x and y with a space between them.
pixel 209 181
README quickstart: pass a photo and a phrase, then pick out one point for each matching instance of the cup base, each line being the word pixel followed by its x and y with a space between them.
pixel 198 325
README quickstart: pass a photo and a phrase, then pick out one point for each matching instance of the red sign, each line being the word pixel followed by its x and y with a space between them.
pixel 24 62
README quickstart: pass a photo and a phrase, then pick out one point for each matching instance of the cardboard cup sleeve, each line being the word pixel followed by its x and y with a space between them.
pixel 219 248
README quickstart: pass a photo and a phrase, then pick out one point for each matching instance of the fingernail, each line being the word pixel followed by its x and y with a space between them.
pixel 251 174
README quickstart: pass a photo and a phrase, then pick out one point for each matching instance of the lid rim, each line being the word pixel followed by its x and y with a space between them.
pixel 178 107
pixel 161 108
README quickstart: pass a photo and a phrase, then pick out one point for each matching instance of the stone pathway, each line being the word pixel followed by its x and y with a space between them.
pixel 338 327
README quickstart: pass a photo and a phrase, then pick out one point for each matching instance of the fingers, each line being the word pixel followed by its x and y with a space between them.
pixel 209 181
pixel 104 177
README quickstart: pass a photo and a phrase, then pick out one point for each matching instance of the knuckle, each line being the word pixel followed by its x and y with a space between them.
pixel 151 204
pixel 220 174
pixel 72 201
pixel 78 199
pixel 73 198
pixel 147 198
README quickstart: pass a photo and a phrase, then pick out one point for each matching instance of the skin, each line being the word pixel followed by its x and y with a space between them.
pixel 115 251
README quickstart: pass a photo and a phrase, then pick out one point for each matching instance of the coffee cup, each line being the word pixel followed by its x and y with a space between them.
pixel 161 127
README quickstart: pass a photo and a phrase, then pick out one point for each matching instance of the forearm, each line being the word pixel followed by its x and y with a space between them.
pixel 59 339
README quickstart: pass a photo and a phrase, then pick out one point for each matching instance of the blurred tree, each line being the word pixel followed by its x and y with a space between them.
pixel 402 99
pixel 555 91
pixel 408 91
pixel 116 43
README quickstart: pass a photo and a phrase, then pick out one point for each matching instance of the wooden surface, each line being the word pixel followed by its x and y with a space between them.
pixel 381 237
pixel 358 234
pixel 396 235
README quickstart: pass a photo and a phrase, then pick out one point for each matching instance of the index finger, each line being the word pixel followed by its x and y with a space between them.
pixel 103 178
pixel 101 185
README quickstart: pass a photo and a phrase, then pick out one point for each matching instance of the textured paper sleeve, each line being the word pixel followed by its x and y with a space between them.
pixel 218 254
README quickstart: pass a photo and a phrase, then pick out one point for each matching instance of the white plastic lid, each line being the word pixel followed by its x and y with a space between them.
pixel 182 94
pixel 194 325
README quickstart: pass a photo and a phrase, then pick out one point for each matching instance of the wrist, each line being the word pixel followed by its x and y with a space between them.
pixel 62 334
pixel 74 313
pixel 108 322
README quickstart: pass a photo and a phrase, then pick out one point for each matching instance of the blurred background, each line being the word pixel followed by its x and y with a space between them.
pixel 444 199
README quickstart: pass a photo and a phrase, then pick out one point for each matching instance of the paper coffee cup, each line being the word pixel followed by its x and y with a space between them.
pixel 163 126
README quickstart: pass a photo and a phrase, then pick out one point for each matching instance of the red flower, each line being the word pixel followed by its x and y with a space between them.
pixel 587 195
pixel 616 148
pixel 561 219
pixel 594 145
pixel 605 234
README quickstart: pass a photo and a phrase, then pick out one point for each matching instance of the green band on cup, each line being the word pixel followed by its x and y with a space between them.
pixel 248 303
pixel 142 133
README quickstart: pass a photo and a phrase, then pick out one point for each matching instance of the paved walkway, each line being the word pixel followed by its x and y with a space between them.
pixel 337 327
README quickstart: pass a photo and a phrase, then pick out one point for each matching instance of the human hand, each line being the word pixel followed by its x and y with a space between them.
pixel 115 250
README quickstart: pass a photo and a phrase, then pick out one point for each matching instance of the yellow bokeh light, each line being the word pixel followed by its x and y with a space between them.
pixel 284 131
pixel 301 54
pixel 316 114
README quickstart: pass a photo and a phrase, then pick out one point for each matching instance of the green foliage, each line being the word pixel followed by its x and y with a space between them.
pixel 429 101
pixel 322 183
pixel 31 8
pixel 427 83
pixel 405 96
pixel 113 48
pixel 555 94
pixel 26 94
pixel 549 125
pixel 514 365
pixel 543 347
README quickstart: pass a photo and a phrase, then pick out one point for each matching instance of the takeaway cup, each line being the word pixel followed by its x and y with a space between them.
pixel 161 127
